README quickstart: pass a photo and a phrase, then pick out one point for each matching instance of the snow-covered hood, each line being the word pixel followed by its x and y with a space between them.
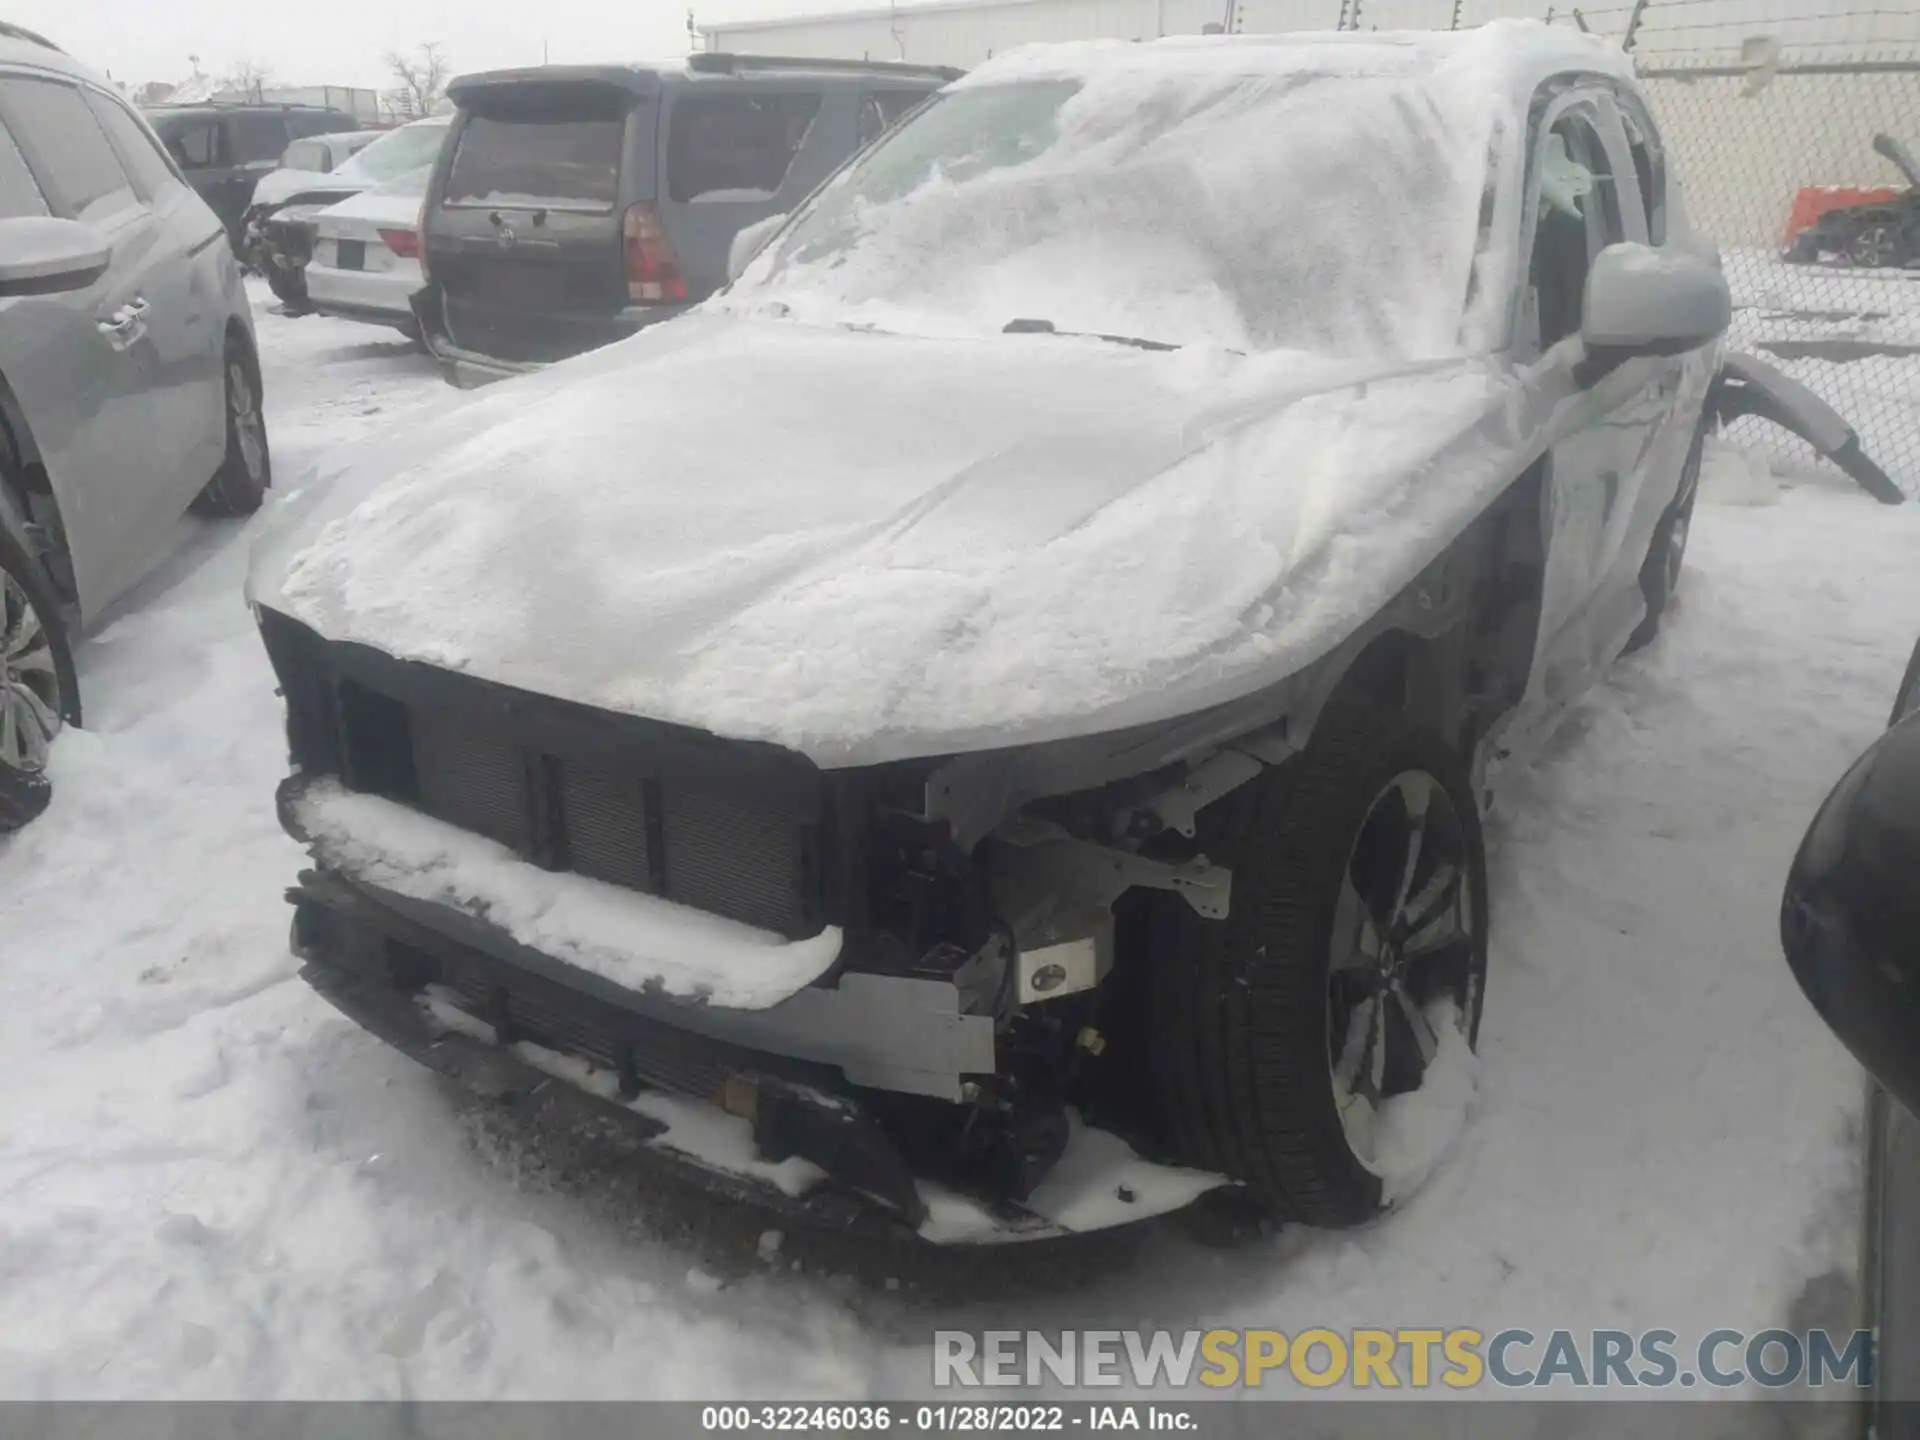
pixel 867 546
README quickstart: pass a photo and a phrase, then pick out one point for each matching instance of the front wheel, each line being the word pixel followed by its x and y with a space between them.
pixel 1351 966
pixel 38 691
pixel 241 482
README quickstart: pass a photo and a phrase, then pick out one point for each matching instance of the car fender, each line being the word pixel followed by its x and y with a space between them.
pixel 1748 385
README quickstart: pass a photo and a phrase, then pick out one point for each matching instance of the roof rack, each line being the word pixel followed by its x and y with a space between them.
pixel 244 105
pixel 32 37
pixel 718 62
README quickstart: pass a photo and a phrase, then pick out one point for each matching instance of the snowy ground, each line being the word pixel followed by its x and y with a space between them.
pixel 212 1185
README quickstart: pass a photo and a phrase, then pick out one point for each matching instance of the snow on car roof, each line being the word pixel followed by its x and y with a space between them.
pixel 1523 51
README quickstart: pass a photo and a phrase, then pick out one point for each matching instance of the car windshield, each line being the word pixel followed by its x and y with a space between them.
pixel 397 153
pixel 1256 209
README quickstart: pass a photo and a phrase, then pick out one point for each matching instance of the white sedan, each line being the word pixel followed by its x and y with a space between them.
pixel 366 255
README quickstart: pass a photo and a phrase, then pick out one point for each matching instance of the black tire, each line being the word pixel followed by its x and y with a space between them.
pixel 1667 552
pixel 245 472
pixel 23 797
pixel 1241 1011
pixel 23 790
pixel 288 286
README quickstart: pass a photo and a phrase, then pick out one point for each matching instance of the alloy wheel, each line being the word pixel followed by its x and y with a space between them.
pixel 1402 961
pixel 30 699
pixel 1872 247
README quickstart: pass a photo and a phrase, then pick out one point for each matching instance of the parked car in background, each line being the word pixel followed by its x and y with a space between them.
pixel 129 384
pixel 1874 233
pixel 366 255
pixel 1850 919
pixel 223 149
pixel 575 204
pixel 279 222
pixel 1000 701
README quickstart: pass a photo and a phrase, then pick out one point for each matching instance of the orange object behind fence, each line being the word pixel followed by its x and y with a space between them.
pixel 1810 202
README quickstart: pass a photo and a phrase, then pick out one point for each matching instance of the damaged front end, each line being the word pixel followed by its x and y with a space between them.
pixel 910 1007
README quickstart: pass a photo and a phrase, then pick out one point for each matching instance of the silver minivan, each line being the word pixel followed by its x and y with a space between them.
pixel 129 381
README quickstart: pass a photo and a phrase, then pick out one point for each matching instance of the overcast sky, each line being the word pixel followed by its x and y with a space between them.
pixel 339 42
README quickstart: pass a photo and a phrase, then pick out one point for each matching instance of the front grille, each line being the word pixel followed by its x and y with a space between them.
pixel 469 778
pixel 605 812
pixel 627 814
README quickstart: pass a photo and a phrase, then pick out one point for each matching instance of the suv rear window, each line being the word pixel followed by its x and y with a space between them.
pixel 735 144
pixel 562 156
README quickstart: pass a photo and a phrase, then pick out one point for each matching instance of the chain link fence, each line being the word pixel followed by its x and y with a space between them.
pixel 1771 113
pixel 1819 230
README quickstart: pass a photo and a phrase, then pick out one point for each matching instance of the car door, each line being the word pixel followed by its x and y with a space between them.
pixel 187 307
pixel 1673 388
pixel 1581 198
pixel 79 362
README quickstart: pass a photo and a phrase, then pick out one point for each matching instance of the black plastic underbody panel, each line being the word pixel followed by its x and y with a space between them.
pixel 355 945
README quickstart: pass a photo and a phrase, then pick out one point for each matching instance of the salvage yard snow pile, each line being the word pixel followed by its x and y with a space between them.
pixel 211 1184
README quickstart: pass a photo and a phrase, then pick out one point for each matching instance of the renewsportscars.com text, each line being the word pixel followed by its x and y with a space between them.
pixel 1409 1358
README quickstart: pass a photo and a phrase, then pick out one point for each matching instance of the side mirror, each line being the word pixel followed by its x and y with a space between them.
pixel 1850 921
pixel 40 255
pixel 749 242
pixel 1642 301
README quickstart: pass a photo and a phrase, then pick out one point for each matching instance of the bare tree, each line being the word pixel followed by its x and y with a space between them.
pixel 248 78
pixel 423 77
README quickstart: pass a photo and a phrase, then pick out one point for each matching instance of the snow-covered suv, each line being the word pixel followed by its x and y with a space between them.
pixel 999 701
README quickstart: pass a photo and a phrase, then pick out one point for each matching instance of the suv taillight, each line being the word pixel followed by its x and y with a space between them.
pixel 420 241
pixel 653 271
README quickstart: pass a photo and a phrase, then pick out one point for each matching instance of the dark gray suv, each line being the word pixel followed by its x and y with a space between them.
pixel 574 204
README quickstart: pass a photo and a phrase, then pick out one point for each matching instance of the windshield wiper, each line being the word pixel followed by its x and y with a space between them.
pixel 1026 326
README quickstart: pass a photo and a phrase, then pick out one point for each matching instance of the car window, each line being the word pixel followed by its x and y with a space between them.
pixel 69 150
pixel 1650 170
pixel 139 152
pixel 401 152
pixel 1576 215
pixel 194 144
pixel 561 157
pixel 19 192
pixel 735 145
pixel 253 138
pixel 307 155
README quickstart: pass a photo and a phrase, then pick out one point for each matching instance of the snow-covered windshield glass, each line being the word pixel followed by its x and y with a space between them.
pixel 398 152
pixel 1203 203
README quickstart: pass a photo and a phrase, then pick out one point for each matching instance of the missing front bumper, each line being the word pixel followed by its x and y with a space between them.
pixel 793 1137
